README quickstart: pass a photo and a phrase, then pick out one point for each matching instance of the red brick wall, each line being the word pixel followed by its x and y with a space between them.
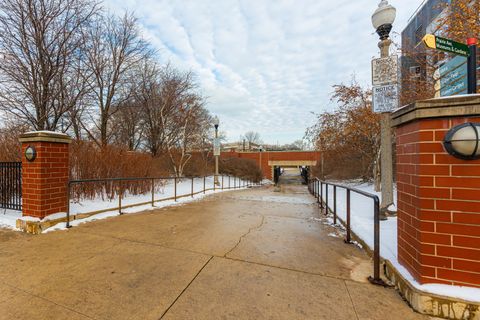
pixel 267 156
pixel 438 206
pixel 44 181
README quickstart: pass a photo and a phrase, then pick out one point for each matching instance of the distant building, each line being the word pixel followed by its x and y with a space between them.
pixel 241 146
pixel 446 72
pixel 416 62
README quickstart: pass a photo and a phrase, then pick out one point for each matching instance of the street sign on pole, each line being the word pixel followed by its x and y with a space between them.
pixel 216 147
pixel 385 71
pixel 451 77
pixel 385 98
pixel 447 45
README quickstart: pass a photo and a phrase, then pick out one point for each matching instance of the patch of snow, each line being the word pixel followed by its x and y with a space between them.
pixel 361 221
pixel 8 218
pixel 457 96
pixel 49 132
pixel 358 244
pixel 392 208
pixel 334 235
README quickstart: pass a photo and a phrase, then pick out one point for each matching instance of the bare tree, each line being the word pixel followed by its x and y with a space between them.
pixel 127 125
pixel 194 123
pixel 251 137
pixel 115 47
pixel 42 74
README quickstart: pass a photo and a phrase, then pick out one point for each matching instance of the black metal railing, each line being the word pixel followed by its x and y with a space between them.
pixel 11 185
pixel 224 183
pixel 315 187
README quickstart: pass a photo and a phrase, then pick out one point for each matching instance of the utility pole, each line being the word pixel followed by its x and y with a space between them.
pixel 216 149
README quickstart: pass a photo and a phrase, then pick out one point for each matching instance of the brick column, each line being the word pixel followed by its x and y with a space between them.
pixel 45 179
pixel 438 194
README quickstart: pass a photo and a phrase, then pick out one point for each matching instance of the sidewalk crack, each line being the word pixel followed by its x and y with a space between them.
pixel 351 300
pixel 244 235
pixel 185 289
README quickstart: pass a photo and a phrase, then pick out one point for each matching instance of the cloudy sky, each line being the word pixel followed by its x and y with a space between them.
pixel 265 65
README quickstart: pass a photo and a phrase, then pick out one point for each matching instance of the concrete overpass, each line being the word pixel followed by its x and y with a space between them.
pixel 268 160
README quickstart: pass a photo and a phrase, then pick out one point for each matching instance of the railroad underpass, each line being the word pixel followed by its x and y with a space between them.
pixel 251 254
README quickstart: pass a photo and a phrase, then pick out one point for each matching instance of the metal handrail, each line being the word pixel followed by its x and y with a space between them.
pixel 246 183
pixel 315 187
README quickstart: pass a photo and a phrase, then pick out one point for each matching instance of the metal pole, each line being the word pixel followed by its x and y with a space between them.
pixel 334 204
pixel 228 182
pixel 222 181
pixel 321 194
pixel 120 197
pixel 326 198
pixel 215 182
pixel 192 187
pixel 153 192
pixel 175 188
pixel 68 206
pixel 472 65
pixel 348 240
pixel 376 245
pixel 318 191
pixel 204 184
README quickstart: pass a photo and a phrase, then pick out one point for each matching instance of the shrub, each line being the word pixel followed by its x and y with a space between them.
pixel 243 168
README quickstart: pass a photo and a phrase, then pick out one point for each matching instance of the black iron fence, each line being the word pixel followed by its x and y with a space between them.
pixel 123 185
pixel 11 185
pixel 316 188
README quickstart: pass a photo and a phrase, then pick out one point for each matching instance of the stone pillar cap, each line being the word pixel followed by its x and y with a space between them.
pixel 45 136
pixel 453 106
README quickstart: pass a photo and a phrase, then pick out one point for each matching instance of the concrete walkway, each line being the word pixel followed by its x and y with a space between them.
pixel 253 254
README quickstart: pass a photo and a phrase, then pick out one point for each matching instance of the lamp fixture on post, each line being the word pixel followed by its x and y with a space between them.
pixel 216 148
pixel 382 21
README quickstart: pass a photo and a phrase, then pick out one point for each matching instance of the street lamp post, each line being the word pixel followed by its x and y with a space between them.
pixel 260 149
pixel 382 20
pixel 216 123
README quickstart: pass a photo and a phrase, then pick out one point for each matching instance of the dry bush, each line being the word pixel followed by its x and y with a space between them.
pixel 200 164
pixel 88 161
pixel 243 168
pixel 10 149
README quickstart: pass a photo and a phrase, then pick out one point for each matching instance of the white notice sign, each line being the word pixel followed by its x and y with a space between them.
pixel 216 147
pixel 385 98
pixel 385 71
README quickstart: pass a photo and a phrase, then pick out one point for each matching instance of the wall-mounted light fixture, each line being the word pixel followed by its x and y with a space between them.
pixel 463 141
pixel 30 153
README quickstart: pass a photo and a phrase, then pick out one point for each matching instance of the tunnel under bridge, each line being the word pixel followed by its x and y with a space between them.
pixel 268 161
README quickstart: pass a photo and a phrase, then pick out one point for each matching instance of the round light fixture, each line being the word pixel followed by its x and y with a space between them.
pixel 216 122
pixel 30 153
pixel 383 18
pixel 463 141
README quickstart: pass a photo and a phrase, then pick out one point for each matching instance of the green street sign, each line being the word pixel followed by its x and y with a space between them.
pixel 439 43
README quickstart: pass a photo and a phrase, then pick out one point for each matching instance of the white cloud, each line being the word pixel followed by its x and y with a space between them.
pixel 265 64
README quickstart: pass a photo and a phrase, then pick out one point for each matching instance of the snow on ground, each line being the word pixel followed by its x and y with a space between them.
pixel 8 218
pixel 361 217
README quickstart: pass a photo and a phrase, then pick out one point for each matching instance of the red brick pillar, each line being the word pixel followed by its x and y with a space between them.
pixel 45 178
pixel 438 194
